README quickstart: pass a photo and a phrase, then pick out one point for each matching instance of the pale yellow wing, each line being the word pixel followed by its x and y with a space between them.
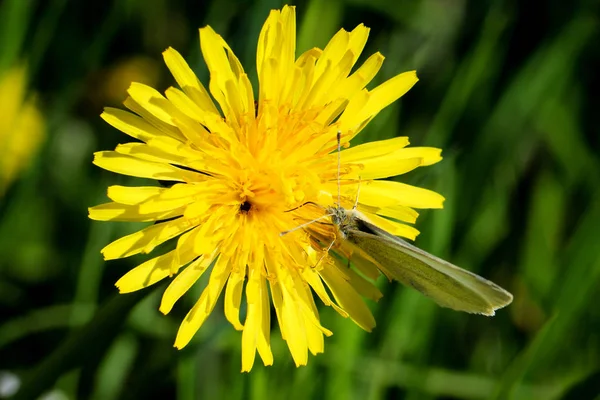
pixel 447 284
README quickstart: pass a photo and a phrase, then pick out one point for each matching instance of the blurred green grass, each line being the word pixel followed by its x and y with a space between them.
pixel 506 89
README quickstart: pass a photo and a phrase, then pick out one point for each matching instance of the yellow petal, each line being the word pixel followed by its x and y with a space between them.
pixel 287 56
pixel 197 209
pixel 358 39
pixel 247 98
pixel 151 100
pixel 130 124
pixel 362 261
pixel 351 119
pixel 429 155
pixel 132 166
pixel 360 78
pixel 205 304
pixel 313 279
pixel 333 52
pixel 156 205
pixel 388 92
pixel 234 99
pixel 192 110
pixel 331 111
pixel 165 129
pixel 393 227
pixel 249 339
pixel 121 212
pixel 392 193
pixel 195 190
pixel 233 298
pixel 347 298
pixel 133 195
pixel 293 324
pixel 398 212
pixel 150 153
pixel 147 273
pixel 315 282
pixel 277 298
pixel 188 81
pixel 314 337
pixel 310 56
pixel 314 331
pixel 307 77
pixel 264 345
pixel 146 240
pixel 326 84
pixel 223 67
pixel 269 88
pixel 256 327
pixel 362 286
pixel 172 149
pixel 209 234
pixel 277 41
pixel 265 42
pixel 372 149
pixel 183 282
pixel 363 107
pixel 180 195
pixel 382 167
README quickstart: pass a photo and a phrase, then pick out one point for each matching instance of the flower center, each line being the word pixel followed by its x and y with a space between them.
pixel 245 207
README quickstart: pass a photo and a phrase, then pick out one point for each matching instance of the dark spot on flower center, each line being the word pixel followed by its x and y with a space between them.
pixel 245 207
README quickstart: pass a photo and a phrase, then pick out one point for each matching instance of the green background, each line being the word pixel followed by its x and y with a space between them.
pixel 506 89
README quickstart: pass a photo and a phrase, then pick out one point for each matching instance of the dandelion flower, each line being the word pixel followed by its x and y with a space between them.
pixel 21 126
pixel 255 171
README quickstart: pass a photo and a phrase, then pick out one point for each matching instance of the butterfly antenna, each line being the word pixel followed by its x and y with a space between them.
pixel 339 191
pixel 305 224
pixel 325 253
pixel 339 165
pixel 302 205
pixel 357 194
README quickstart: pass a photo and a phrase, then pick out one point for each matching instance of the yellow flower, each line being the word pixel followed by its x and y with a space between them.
pixel 21 126
pixel 254 172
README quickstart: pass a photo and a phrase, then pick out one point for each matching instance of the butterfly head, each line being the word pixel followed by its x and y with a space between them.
pixel 344 220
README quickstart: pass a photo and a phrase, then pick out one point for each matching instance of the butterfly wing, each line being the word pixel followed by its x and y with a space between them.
pixel 447 284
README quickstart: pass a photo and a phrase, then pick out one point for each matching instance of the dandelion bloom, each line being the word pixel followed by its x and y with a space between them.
pixel 21 126
pixel 255 171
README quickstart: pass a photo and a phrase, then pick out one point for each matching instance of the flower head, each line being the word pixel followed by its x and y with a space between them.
pixel 21 126
pixel 263 165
